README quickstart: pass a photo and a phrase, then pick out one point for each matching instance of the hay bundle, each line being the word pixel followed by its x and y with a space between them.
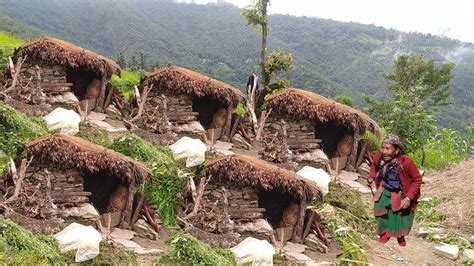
pixel 177 80
pixel 344 147
pixel 305 105
pixel 72 152
pixel 54 51
pixel 219 118
pixel 118 199
pixel 244 170
pixel 290 215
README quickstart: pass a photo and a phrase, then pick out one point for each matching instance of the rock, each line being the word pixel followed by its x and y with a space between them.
pixel 2 154
pixel 113 112
pixel 338 163
pixel 108 127
pixel 364 170
pixel 305 260
pixel 225 152
pixel 145 230
pixel 314 243
pixel 469 254
pixel 448 251
pixel 356 186
pixel 84 211
pixel 285 232
pixel 193 127
pixel 327 210
pixel 345 175
pixel 94 116
pixel 128 244
pixel 294 248
pixel 118 233
pixel 67 98
pixel 471 239
pixel 424 231
pixel 66 121
pixel 147 251
pixel 114 219
pixel 318 176
pixel 260 226
pixel 240 142
pixel 222 145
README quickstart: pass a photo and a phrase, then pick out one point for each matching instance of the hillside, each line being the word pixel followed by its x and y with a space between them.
pixel 331 57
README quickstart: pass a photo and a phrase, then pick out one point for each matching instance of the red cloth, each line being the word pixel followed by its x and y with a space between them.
pixel 409 176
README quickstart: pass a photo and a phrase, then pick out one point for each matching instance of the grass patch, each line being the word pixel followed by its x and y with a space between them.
pixel 95 135
pixel 19 246
pixel 126 83
pixel 188 250
pixel 8 44
pixel 169 178
pixel 16 130
pixel 425 213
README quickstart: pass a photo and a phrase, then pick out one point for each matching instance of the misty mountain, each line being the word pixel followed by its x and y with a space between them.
pixel 331 57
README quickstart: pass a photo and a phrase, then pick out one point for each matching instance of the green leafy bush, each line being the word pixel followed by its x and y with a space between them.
pixel 446 147
pixel 344 99
pixel 19 246
pixel 425 213
pixel 126 83
pixel 169 179
pixel 8 44
pixel 188 250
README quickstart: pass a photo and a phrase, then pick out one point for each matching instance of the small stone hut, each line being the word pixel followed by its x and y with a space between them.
pixel 245 189
pixel 76 171
pixel 305 122
pixel 56 71
pixel 183 97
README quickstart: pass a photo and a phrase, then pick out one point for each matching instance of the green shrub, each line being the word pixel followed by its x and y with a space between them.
pixel 344 99
pixel 21 247
pixel 95 135
pixel 188 250
pixel 425 213
pixel 169 179
pixel 8 44
pixel 446 147
pixel 126 83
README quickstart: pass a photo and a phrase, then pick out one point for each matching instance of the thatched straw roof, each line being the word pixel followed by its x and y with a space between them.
pixel 73 152
pixel 248 171
pixel 178 80
pixel 302 104
pixel 55 51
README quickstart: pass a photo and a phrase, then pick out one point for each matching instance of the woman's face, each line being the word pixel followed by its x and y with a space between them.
pixel 389 151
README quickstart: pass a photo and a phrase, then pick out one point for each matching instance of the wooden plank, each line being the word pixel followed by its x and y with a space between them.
pixel 56 84
pixel 63 194
pixel 72 199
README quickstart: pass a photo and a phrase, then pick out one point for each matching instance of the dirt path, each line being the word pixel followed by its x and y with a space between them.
pixel 454 186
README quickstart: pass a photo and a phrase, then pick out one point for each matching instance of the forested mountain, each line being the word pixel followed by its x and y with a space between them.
pixel 331 58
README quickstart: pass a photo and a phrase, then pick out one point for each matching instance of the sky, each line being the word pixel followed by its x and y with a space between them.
pixel 454 18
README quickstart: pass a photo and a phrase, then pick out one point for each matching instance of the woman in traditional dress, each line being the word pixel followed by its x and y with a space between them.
pixel 398 184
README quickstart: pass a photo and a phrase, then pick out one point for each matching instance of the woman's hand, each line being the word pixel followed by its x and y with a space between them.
pixel 405 203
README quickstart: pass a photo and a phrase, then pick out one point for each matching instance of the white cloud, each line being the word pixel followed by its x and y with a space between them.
pixel 454 18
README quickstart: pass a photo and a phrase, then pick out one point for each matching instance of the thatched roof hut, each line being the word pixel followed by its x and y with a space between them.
pixel 53 51
pixel 80 171
pixel 190 96
pixel 316 121
pixel 178 80
pixel 284 195
pixel 306 105
pixel 73 152
pixel 59 73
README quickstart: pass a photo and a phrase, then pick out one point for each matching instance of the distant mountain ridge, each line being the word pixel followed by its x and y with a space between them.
pixel 331 57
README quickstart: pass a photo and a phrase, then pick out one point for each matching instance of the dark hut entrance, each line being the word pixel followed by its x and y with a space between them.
pixel 108 193
pixel 212 114
pixel 275 204
pixel 333 138
pixel 85 85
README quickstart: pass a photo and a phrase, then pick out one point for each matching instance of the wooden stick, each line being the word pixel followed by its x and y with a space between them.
pixel 362 154
pixel 21 175
pixel 109 97
pixel 142 101
pixel 150 219
pixel 261 123
pixel 202 185
pixel 309 224
pixel 137 210
pixel 234 127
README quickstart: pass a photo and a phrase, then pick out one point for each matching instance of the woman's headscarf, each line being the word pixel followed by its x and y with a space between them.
pixel 393 140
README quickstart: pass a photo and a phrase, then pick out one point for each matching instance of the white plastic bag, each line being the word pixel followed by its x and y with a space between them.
pixel 83 238
pixel 65 120
pixel 257 252
pixel 192 149
pixel 318 176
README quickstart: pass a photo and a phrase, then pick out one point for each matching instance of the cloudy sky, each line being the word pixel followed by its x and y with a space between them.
pixel 454 18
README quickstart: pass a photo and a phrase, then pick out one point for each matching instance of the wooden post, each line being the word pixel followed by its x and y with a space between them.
pixel 361 154
pixel 127 214
pixel 234 127
pixel 101 99
pixel 226 130
pixel 353 157
pixel 298 233
pixel 308 225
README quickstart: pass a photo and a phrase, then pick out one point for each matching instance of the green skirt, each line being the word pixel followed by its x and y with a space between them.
pixel 394 224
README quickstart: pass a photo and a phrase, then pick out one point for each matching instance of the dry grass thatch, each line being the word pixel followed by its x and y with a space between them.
pixel 303 104
pixel 55 51
pixel 248 171
pixel 73 152
pixel 179 80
